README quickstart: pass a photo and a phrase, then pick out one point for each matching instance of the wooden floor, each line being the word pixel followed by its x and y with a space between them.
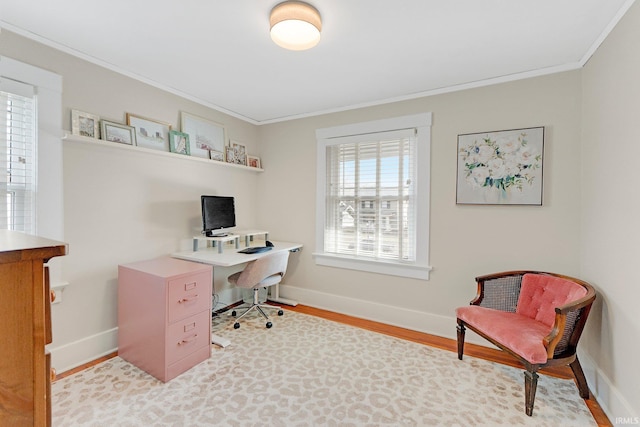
pixel 473 350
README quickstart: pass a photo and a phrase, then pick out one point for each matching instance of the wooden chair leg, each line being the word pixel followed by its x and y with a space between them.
pixel 581 381
pixel 530 385
pixel 461 329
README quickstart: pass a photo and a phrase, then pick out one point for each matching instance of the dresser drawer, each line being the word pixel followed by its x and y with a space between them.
pixel 189 295
pixel 188 335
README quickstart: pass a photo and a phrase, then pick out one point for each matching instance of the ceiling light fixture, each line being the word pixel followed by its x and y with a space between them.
pixel 295 25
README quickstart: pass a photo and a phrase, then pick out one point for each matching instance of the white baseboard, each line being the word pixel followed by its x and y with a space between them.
pixel 612 402
pixel 69 356
pixel 442 326
pixel 74 354
pixel 227 297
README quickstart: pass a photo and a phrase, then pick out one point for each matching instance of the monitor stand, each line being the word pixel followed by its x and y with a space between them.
pixel 212 234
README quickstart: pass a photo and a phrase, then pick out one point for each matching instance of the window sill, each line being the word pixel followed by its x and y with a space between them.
pixel 412 271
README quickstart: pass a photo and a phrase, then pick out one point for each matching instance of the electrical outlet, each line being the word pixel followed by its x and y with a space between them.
pixel 56 293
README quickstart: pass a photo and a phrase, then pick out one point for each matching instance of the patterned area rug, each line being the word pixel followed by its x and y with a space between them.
pixel 307 371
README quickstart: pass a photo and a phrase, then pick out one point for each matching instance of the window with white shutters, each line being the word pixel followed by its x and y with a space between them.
pixel 17 157
pixel 373 196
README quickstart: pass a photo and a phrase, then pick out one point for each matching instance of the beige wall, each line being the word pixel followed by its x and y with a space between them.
pixel 466 241
pixel 610 245
pixel 121 205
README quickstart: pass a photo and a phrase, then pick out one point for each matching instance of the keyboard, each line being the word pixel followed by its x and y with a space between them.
pixel 255 250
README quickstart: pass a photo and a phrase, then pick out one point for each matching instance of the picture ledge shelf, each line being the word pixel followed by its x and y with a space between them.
pixel 101 142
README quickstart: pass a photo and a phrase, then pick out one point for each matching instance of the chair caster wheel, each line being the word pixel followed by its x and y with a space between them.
pixel 233 313
pixel 280 312
pixel 269 325
pixel 236 325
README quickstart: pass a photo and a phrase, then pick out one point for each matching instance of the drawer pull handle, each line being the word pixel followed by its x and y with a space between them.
pixel 52 295
pixel 52 374
pixel 188 340
pixel 189 286
pixel 188 299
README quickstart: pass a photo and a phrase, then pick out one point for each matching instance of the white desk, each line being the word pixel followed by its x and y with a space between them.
pixel 230 257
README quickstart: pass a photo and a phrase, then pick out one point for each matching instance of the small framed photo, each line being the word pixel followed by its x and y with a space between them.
pixel 231 155
pixel 217 155
pixel 204 135
pixel 239 153
pixel 179 142
pixel 117 132
pixel 85 124
pixel 253 161
pixel 150 133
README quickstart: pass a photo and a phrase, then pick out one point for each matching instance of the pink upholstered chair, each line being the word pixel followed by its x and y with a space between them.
pixel 535 316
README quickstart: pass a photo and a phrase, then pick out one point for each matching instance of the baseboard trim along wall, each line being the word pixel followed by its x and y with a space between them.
pixel 69 356
pixel 612 402
pixel 77 353
pixel 443 326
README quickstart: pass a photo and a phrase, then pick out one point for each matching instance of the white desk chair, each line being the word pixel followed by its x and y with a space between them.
pixel 261 273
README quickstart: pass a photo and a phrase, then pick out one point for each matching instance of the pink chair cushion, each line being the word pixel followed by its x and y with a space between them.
pixel 519 333
pixel 541 294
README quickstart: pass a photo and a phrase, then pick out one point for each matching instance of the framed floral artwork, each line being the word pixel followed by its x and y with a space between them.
pixel 85 124
pixel 179 142
pixel 117 132
pixel 150 133
pixel 501 167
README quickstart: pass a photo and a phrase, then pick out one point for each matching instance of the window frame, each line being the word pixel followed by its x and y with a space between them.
pixel 420 268
pixel 49 174
pixel 48 92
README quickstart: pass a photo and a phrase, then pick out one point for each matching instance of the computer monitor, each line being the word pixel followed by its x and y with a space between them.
pixel 218 213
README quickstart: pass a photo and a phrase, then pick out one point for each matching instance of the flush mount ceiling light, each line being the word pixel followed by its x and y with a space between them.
pixel 295 25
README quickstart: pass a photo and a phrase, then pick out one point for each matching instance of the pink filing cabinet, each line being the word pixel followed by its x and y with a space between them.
pixel 164 315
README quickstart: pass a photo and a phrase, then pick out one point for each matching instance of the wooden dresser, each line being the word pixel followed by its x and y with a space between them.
pixel 164 315
pixel 25 328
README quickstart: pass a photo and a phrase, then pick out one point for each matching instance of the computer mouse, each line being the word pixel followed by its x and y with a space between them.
pixel 268 243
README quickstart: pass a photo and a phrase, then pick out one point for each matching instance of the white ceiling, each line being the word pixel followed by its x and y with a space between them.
pixel 219 53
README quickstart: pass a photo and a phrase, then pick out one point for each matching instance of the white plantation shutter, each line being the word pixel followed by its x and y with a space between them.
pixel 17 156
pixel 371 196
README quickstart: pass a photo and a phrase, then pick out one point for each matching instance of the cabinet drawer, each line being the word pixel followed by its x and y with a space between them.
pixel 183 365
pixel 189 295
pixel 188 335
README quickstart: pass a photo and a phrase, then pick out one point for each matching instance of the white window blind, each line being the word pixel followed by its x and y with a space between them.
pixel 370 196
pixel 17 156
